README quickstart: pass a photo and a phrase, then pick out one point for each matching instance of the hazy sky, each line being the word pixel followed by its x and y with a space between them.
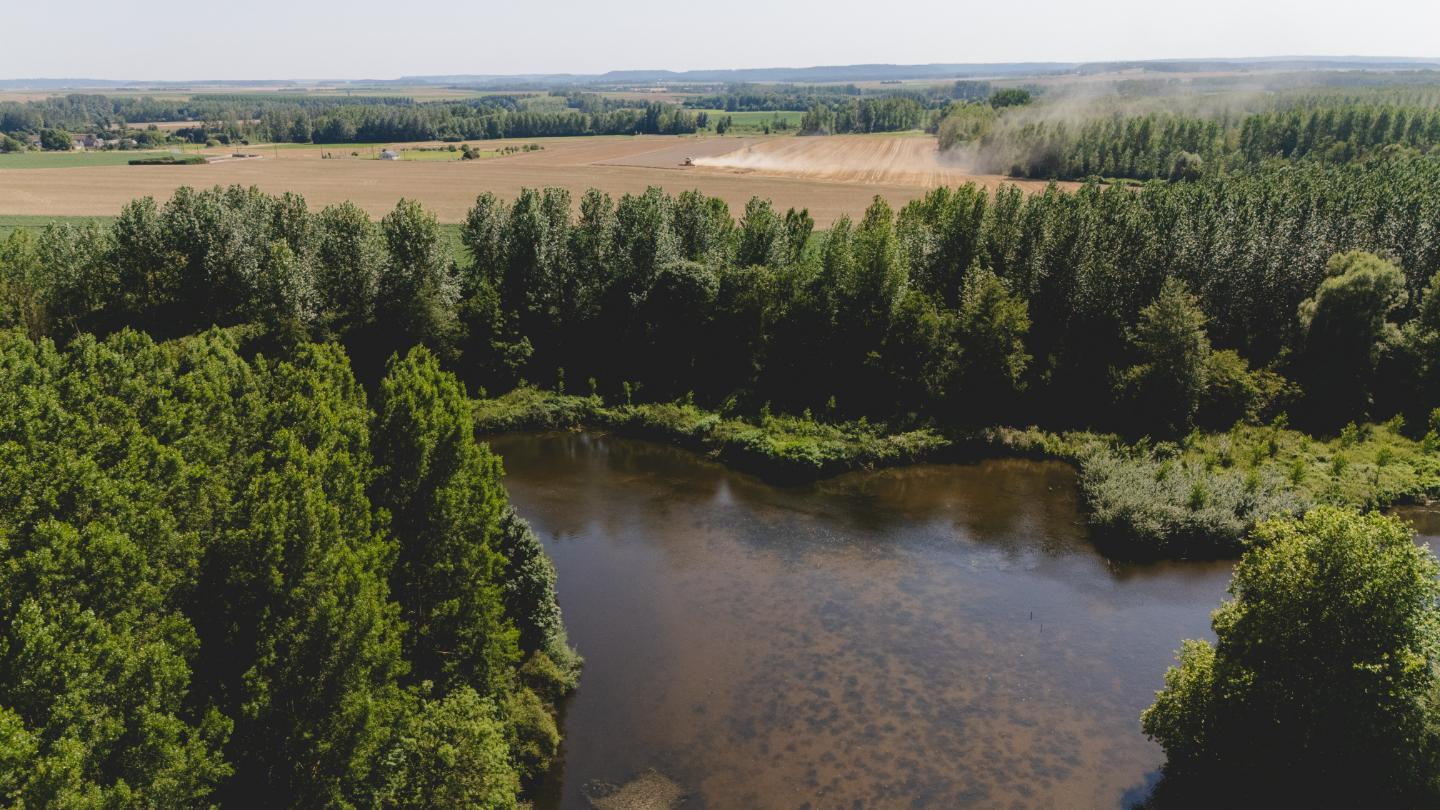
pixel 272 39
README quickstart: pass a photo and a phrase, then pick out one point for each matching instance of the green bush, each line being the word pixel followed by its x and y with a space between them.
pixel 548 679
pixel 534 738
pixel 169 160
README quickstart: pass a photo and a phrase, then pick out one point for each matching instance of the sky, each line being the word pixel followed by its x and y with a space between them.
pixel 383 39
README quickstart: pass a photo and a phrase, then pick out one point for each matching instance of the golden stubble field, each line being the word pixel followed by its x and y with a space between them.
pixel 830 176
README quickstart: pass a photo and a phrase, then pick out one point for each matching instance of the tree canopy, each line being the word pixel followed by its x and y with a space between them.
pixel 208 585
pixel 1322 684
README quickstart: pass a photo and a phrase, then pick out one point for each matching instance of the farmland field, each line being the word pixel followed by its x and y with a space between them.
pixel 72 160
pixel 860 159
pixel 830 176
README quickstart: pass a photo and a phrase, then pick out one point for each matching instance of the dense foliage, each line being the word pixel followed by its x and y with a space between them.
pixel 1321 688
pixel 1203 495
pixel 207 585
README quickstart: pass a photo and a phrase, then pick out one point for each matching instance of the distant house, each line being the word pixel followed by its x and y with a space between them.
pixel 389 154
pixel 86 141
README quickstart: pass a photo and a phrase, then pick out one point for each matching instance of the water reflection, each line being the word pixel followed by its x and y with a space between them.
pixel 1426 522
pixel 923 637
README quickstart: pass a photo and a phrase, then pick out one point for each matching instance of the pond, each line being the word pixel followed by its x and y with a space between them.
pixel 929 636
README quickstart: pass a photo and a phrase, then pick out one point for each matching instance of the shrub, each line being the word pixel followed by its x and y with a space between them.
pixel 169 160
pixel 533 737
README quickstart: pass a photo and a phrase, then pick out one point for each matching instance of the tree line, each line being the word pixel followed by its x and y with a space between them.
pixel 770 98
pixel 864 115
pixel 242 582
pixel 1304 288
pixel 88 112
pixel 1180 146
pixel 486 119
pixel 281 118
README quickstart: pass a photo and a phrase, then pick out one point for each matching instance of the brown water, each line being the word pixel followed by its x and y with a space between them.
pixel 934 636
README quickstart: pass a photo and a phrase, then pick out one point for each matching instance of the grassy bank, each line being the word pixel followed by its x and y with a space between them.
pixel 785 448
pixel 1195 498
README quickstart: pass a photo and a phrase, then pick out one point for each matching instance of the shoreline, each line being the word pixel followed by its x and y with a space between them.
pixel 1193 499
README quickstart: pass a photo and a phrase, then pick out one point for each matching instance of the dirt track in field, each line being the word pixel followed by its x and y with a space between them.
pixel 830 176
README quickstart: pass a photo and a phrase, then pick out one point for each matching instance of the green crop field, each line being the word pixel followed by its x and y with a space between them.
pixel 755 119
pixel 68 160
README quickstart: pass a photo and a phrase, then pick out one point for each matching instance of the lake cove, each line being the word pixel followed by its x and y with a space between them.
pixel 928 636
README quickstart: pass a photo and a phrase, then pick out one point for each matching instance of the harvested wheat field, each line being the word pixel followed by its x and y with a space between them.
pixel 830 176
pixel 856 159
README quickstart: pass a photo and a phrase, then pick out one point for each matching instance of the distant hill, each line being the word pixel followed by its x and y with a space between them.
pixel 782 75
pixel 824 73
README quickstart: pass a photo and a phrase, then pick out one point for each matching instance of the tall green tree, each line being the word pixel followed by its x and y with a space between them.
pixel 22 287
pixel 300 641
pixel 1322 685
pixel 350 258
pixel 991 325
pixel 762 236
pixel 1346 329
pixel 443 492
pixel 417 289
pixel 1166 387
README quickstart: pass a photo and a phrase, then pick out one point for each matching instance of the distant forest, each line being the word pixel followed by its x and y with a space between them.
pixel 1116 138
pixel 332 119
pixel 284 118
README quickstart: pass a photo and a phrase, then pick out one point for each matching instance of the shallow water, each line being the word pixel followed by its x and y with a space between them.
pixel 933 636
